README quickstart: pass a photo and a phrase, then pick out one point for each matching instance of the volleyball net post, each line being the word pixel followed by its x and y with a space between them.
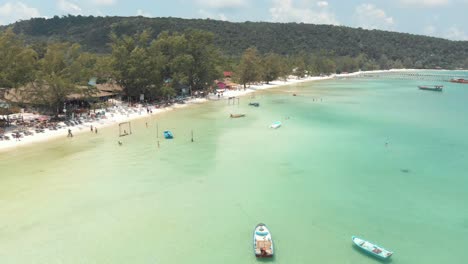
pixel 125 129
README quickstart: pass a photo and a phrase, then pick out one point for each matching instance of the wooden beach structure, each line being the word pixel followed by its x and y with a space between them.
pixel 435 76
pixel 125 129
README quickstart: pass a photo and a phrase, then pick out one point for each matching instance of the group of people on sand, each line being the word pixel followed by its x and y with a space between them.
pixel 93 129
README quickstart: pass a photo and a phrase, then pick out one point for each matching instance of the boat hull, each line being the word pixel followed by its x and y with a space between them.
pixel 459 81
pixel 237 115
pixel 262 242
pixel 371 248
pixel 276 125
pixel 428 88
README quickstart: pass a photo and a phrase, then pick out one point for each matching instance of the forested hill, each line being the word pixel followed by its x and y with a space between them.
pixel 233 38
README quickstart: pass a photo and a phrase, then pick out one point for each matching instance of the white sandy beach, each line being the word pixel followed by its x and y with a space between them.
pixel 123 113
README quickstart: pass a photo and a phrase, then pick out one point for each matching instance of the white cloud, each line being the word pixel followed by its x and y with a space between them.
pixel 69 7
pixel 219 4
pixel 429 30
pixel 206 14
pixel 287 11
pixel 425 3
pixel 103 2
pixel 322 3
pixel 370 17
pixel 222 17
pixel 11 12
pixel 143 13
pixel 454 33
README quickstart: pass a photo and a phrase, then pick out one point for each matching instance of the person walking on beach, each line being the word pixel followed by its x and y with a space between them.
pixel 91 128
pixel 69 133
pixel 95 130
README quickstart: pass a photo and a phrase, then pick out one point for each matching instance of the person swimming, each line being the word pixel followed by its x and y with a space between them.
pixel 120 143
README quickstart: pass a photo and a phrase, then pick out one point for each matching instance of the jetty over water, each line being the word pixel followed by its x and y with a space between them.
pixel 436 76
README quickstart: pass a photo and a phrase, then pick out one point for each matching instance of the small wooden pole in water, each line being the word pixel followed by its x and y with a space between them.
pixel 192 135
pixel 158 143
pixel 157 132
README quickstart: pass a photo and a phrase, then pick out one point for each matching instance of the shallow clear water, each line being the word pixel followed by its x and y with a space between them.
pixel 325 175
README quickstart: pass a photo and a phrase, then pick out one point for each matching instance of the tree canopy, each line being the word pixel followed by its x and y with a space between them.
pixel 233 39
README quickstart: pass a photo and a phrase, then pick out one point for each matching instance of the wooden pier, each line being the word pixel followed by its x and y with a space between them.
pixel 442 76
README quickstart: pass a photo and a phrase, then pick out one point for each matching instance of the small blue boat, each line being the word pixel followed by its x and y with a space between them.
pixel 371 248
pixel 168 134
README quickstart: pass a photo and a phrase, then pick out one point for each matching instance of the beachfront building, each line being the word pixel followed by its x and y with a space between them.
pixel 226 83
pixel 83 98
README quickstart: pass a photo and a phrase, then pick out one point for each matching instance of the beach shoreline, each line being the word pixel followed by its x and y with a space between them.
pixel 141 111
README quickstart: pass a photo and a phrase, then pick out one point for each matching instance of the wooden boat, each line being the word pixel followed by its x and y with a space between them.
pixel 436 88
pixel 237 115
pixel 262 242
pixel 168 134
pixel 276 124
pixel 254 104
pixel 459 80
pixel 371 248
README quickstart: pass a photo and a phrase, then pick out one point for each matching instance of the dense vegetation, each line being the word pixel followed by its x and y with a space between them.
pixel 93 34
pixel 44 61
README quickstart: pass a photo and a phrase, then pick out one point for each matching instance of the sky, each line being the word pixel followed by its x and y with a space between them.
pixel 439 18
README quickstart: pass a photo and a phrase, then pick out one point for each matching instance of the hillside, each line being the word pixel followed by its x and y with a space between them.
pixel 233 38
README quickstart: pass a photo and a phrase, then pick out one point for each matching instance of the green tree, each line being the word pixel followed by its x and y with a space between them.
pixel 54 82
pixel 299 66
pixel 132 64
pixel 103 69
pixel 272 70
pixel 83 68
pixel 205 58
pixel 17 62
pixel 248 70
pixel 326 65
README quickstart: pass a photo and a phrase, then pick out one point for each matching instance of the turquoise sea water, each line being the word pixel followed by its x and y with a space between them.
pixel 325 175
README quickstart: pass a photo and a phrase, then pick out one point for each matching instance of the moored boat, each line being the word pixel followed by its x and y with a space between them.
pixel 254 104
pixel 262 242
pixel 237 115
pixel 168 134
pixel 436 88
pixel 276 124
pixel 460 80
pixel 372 248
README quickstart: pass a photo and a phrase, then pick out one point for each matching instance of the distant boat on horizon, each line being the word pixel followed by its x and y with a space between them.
pixel 436 88
pixel 460 80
